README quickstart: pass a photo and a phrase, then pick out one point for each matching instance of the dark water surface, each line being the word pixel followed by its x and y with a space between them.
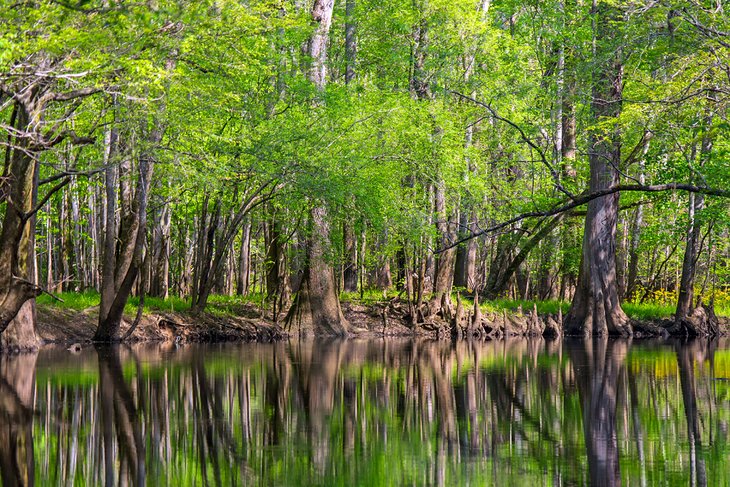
pixel 392 412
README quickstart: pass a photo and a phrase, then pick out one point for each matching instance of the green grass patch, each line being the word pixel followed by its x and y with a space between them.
pixel 648 311
pixel 172 304
pixel 71 300
pixel 513 305
pixel 369 296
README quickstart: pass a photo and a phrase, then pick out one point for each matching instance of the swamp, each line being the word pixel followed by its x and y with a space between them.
pixel 364 242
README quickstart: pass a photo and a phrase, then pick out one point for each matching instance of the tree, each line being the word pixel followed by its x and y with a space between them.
pixel 596 308
pixel 33 89
pixel 317 305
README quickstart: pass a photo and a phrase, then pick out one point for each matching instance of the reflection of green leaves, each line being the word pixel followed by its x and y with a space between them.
pixel 388 421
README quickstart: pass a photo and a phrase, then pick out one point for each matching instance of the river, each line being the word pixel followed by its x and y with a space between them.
pixel 393 412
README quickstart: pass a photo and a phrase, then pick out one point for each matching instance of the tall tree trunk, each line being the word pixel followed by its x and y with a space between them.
pixel 274 256
pixel 350 271
pixel 317 306
pixel 689 263
pixel 596 308
pixel 499 270
pixel 351 268
pixel 124 266
pixel 636 228
pixel 350 40
pixel 160 282
pixel 17 241
pixel 445 261
pixel 244 261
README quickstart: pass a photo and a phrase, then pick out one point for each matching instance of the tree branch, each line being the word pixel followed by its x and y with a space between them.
pixel 588 197
pixel 555 175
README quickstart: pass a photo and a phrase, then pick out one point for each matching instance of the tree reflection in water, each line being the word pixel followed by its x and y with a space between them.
pixel 17 385
pixel 596 412
pixel 597 365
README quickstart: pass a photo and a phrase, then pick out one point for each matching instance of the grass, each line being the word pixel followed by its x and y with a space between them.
pixel 648 311
pixel 71 300
pixel 369 296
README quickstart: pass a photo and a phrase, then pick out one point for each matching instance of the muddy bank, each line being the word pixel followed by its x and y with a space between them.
pixel 394 319
pixel 390 319
pixel 56 325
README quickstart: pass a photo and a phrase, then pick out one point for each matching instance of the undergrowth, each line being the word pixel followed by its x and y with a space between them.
pixel 222 305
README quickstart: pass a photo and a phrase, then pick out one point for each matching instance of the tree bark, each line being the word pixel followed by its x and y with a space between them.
pixel 316 309
pixel 350 40
pixel 322 11
pixel 244 261
pixel 633 267
pixel 445 261
pixel 17 241
pixel 160 282
pixel 350 271
pixel 127 262
pixel 596 308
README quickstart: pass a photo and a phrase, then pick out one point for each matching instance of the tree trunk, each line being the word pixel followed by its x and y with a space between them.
pixel 123 262
pixel 689 263
pixel 445 261
pixel 350 40
pixel 322 11
pixel 274 256
pixel 316 308
pixel 498 278
pixel 244 261
pixel 127 263
pixel 160 282
pixel 17 241
pixel 633 270
pixel 596 308
pixel 350 271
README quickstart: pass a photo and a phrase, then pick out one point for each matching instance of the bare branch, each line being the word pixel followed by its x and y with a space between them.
pixel 588 197
pixel 58 187
pixel 70 173
pixel 555 175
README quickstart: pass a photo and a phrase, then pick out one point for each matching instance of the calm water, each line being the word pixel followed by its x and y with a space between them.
pixel 369 413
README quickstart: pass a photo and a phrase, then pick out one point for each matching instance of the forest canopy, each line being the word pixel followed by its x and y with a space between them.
pixel 292 151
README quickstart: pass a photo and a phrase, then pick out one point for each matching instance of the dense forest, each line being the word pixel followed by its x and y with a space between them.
pixel 429 151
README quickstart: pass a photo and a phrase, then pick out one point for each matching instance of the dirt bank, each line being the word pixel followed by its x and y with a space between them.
pixel 58 325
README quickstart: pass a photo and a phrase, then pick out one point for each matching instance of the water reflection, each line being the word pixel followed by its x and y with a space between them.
pixel 519 412
pixel 17 383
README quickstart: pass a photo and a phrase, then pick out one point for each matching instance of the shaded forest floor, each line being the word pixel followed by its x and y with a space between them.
pixel 234 318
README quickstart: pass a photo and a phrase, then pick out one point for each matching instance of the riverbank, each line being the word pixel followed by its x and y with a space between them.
pixel 75 320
